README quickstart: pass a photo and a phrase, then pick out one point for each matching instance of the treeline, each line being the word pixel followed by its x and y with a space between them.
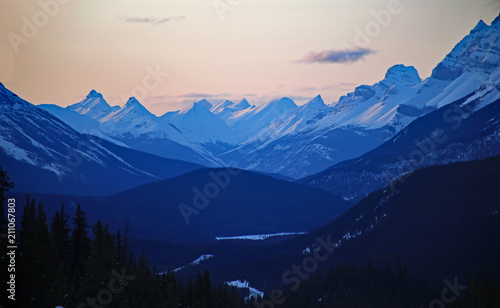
pixel 62 266
pixel 348 286
pixel 64 262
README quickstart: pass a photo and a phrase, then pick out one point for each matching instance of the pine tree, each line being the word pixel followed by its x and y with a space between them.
pixel 78 255
pixel 100 262
pixel 61 234
pixel 36 258
pixel 61 231
pixel 26 253
pixel 45 283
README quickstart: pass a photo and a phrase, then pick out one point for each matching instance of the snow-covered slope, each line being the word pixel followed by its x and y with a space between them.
pixel 309 138
pixel 372 114
pixel 295 120
pixel 93 106
pixel 375 106
pixel 132 118
pixel 249 121
pixel 201 126
pixel 281 137
pixel 79 122
pixel 226 109
pixel 43 154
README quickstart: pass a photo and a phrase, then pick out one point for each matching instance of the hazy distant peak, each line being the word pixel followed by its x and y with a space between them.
pixel 205 103
pixel 243 103
pixel 94 93
pixel 401 74
pixel 480 26
pixel 496 20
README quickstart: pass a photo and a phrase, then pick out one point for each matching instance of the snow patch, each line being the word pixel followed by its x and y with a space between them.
pixel 258 237
pixel 254 293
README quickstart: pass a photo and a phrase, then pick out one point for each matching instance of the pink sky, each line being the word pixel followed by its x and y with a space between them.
pixel 170 53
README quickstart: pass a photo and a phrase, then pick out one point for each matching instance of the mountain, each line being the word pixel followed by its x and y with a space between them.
pixel 442 222
pixel 132 118
pixel 42 154
pixel 467 129
pixel 298 141
pixel 309 138
pixel 226 109
pixel 364 119
pixel 295 119
pixel 93 106
pixel 199 206
pixel 249 121
pixel 201 126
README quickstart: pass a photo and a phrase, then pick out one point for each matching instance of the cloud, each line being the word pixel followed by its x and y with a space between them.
pixel 155 21
pixel 196 95
pixel 335 86
pixel 337 56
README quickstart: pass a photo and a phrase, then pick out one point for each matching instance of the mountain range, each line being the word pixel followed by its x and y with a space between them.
pixel 43 154
pixel 295 141
pixel 402 171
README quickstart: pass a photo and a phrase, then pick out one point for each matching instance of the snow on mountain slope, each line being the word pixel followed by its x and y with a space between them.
pixel 372 107
pixel 226 109
pixel 249 121
pixel 200 126
pixel 372 114
pixel 468 129
pixel 205 103
pixel 309 138
pixel 79 122
pixel 296 119
pixel 291 121
pixel 281 137
pixel 132 118
pixel 464 69
pixel 42 153
pixel 93 106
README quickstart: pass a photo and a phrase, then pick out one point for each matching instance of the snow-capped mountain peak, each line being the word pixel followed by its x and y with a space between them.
pixel 134 103
pixel 93 106
pixel 480 26
pixel 197 108
pixel 478 51
pixel 130 111
pixel 496 21
pixel 401 75
pixel 5 91
pixel 316 102
pixel 205 104
pixel 283 103
pixel 94 93
pixel 228 109
pixel 243 104
pixel 200 125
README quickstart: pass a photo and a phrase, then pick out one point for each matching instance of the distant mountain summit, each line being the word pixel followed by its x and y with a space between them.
pixel 477 52
pixel 401 75
pixel 93 106
pixel 43 154
pixel 296 141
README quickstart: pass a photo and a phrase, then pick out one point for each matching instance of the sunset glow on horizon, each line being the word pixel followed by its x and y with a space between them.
pixel 171 53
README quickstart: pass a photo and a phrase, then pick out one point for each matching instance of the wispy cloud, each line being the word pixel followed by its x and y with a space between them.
pixel 204 95
pixel 335 86
pixel 155 21
pixel 336 56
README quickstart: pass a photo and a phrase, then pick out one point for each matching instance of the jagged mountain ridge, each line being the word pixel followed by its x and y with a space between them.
pixel 296 141
pixel 43 154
